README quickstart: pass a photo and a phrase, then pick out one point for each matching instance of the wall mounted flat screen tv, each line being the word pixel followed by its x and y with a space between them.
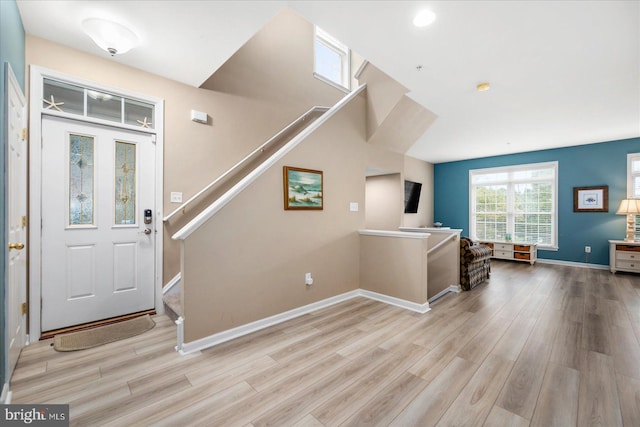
pixel 411 196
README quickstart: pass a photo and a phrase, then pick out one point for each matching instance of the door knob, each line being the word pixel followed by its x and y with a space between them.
pixel 16 246
pixel 146 231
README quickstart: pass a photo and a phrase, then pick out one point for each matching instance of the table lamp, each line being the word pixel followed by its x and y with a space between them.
pixel 630 208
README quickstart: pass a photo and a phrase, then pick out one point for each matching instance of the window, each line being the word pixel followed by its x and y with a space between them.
pixel 63 98
pixel 633 184
pixel 519 201
pixel 633 175
pixel 331 60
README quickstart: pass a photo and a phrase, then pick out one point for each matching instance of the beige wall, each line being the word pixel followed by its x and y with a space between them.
pixel 248 262
pixel 383 93
pixel 444 262
pixel 384 202
pixel 276 67
pixel 394 266
pixel 196 154
pixel 422 172
pixel 385 193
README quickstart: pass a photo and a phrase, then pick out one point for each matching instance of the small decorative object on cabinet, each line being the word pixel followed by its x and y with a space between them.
pixel 527 252
pixel 624 256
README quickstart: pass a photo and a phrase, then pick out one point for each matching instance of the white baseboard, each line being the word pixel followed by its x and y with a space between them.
pixel 572 264
pixel 176 279
pixel 215 339
pixel 408 305
pixel 5 398
pixel 220 337
pixel 453 288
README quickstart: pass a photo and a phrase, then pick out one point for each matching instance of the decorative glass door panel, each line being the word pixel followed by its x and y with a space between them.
pixel 81 180
pixel 125 185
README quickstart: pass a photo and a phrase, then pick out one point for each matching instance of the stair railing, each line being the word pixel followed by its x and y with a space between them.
pixel 442 243
pixel 212 209
pixel 246 160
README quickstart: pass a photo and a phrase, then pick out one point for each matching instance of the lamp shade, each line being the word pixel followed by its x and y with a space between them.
pixel 109 35
pixel 629 207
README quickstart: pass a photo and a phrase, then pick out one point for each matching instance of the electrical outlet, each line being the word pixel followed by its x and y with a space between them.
pixel 308 280
pixel 587 249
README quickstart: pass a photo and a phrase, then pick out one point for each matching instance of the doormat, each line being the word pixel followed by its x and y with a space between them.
pixel 89 338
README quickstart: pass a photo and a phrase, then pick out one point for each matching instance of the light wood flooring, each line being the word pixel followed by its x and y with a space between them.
pixel 543 345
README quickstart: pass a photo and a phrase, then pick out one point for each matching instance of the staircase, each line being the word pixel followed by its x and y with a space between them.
pixel 186 212
pixel 204 204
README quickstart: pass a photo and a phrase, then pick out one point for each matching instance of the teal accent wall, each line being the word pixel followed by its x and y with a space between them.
pixel 580 166
pixel 12 51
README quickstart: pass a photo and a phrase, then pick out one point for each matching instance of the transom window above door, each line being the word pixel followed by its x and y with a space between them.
pixel 91 103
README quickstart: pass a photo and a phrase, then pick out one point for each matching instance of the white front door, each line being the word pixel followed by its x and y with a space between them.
pixel 16 220
pixel 98 249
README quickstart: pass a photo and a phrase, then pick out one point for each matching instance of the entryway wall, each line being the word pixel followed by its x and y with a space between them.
pixel 196 154
pixel 384 202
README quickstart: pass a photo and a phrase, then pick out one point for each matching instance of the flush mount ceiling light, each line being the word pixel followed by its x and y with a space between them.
pixel 483 87
pixel 424 18
pixel 110 36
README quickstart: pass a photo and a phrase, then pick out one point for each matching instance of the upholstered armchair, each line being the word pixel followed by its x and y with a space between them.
pixel 475 263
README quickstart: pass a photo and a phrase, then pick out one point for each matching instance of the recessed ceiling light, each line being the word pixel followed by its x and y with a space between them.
pixel 424 18
pixel 483 87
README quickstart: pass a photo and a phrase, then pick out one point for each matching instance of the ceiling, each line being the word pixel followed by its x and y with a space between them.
pixel 562 72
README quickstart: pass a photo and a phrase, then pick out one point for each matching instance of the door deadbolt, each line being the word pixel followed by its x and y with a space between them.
pixel 148 216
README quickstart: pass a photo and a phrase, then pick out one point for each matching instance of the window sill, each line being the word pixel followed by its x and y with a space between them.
pixel 331 83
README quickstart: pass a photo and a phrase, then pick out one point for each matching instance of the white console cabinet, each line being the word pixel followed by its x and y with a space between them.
pixel 624 256
pixel 515 251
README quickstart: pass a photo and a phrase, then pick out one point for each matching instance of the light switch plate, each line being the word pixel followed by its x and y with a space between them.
pixel 176 197
pixel 353 206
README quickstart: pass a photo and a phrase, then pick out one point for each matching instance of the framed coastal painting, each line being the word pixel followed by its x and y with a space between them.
pixel 591 199
pixel 302 189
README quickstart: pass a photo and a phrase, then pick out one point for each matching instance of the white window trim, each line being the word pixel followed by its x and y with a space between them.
pixel 511 169
pixel 630 175
pixel 630 158
pixel 343 50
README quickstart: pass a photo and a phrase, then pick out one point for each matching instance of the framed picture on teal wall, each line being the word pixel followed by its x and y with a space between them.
pixel 591 199
pixel 303 189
